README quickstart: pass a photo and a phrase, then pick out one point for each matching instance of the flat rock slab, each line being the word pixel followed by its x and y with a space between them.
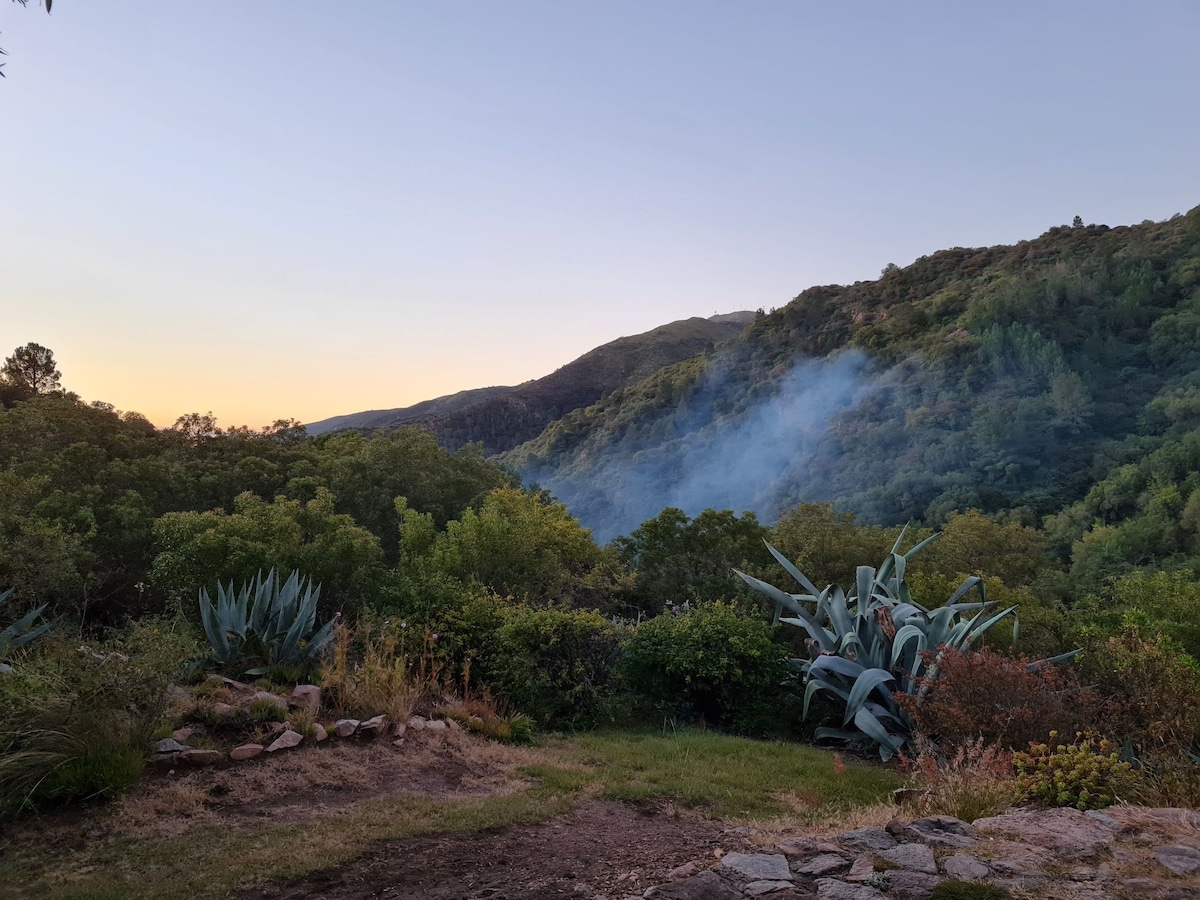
pixel 832 889
pixel 966 867
pixel 862 869
pixel 758 866
pixel 803 845
pixel 941 831
pixel 202 757
pixel 705 886
pixel 917 857
pixel 1180 860
pixel 246 751
pixel 909 885
pixel 268 697
pixel 345 727
pixel 823 864
pixel 1068 833
pixel 170 745
pixel 285 740
pixel 870 838
pixel 761 888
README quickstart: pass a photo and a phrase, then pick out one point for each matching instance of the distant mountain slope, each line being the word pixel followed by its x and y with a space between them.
pixel 503 417
pixel 1002 377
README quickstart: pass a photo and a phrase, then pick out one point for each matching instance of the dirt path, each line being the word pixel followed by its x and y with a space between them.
pixel 602 849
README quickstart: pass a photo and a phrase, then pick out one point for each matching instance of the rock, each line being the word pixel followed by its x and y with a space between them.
pixel 416 723
pixel 806 846
pixel 1180 860
pixel 1068 833
pixel 436 725
pixel 759 888
pixel 182 734
pixel 823 864
pixel 371 727
pixel 398 729
pixel 1158 890
pixel 245 751
pixel 201 757
pixel 224 711
pixel 229 682
pixel 705 886
pixel 832 889
pixel 306 696
pixel 966 867
pixel 905 796
pixel 758 866
pixel 917 857
pixel 453 724
pixel 345 727
pixel 274 729
pixel 862 869
pixel 164 758
pixel 941 831
pixel 398 743
pixel 910 885
pixel 170 745
pixel 870 838
pixel 687 870
pixel 319 732
pixel 285 740
pixel 1030 881
pixel 268 697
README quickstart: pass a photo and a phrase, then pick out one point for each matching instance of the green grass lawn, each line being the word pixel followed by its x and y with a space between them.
pixel 726 778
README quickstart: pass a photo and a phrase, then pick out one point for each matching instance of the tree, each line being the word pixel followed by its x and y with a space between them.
pixel 23 3
pixel 32 368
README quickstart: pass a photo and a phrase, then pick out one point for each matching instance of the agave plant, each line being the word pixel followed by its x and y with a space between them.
pixel 20 632
pixel 866 646
pixel 269 620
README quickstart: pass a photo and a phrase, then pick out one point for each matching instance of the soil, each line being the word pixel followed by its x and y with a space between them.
pixel 602 849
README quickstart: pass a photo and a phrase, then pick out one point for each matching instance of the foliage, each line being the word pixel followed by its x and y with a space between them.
pixel 479 713
pixel 958 889
pixel 712 663
pixel 1002 700
pixel 31 369
pixel 20 632
pixel 868 646
pixel 379 667
pixel 975 780
pixel 678 560
pixel 268 622
pixel 75 722
pixel 1086 774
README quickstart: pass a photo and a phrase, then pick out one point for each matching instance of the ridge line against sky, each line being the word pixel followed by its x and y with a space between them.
pixel 305 209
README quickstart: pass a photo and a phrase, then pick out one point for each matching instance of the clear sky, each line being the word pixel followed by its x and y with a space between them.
pixel 300 209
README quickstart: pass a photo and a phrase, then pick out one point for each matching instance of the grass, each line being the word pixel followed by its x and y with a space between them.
pixel 726 778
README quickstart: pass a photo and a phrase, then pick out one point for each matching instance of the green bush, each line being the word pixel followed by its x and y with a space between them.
pixel 75 723
pixel 715 663
pixel 1087 774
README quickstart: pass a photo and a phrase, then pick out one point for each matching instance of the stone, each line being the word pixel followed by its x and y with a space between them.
pixel 1029 881
pixel 758 866
pixel 398 743
pixel 870 838
pixel 917 857
pixel 1068 833
pixel 941 831
pixel 803 845
pixel 436 725
pixel 164 758
pixel 1180 860
pixel 285 740
pixel 170 745
pixel 223 711
pixel 909 885
pixel 245 751
pixel 705 886
pixel 319 732
pixel 182 734
pixel 306 696
pixel 759 888
pixel 268 697
pixel 832 889
pixel 201 757
pixel 966 867
pixel 274 729
pixel 236 685
pixel 417 723
pixel 345 727
pixel 861 869
pixel 822 864
pixel 372 726
pixel 687 870
pixel 906 796
pixel 398 729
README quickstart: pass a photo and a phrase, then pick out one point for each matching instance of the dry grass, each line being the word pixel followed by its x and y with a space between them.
pixel 973 782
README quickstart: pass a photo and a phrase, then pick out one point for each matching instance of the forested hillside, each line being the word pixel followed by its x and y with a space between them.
pixel 1055 378
pixel 500 418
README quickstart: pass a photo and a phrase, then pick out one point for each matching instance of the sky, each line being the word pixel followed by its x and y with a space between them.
pixel 299 210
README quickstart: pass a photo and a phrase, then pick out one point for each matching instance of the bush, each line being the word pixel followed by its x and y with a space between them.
pixel 974 781
pixel 995 697
pixel 1088 774
pixel 713 663
pixel 75 722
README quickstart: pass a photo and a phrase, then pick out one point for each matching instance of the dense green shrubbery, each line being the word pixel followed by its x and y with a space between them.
pixel 715 663
pixel 75 722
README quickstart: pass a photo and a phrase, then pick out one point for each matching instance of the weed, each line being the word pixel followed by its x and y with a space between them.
pixel 976 780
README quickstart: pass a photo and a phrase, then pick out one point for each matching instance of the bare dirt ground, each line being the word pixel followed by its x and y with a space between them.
pixel 601 849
